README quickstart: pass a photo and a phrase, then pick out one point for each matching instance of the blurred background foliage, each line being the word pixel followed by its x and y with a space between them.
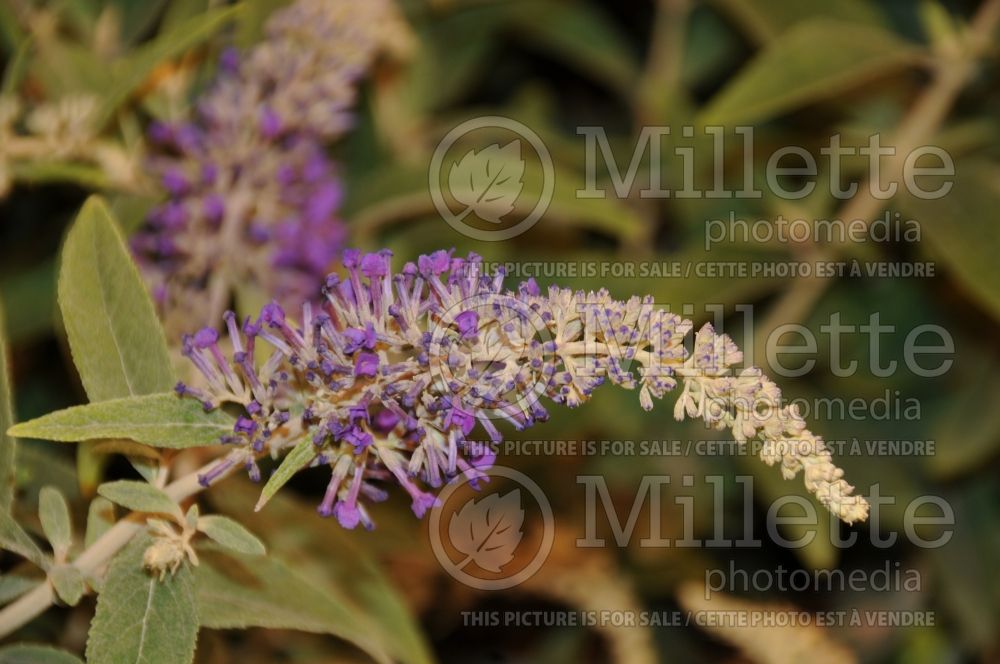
pixel 798 71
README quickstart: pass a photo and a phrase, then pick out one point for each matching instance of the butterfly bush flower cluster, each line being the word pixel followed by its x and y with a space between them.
pixel 396 374
pixel 252 197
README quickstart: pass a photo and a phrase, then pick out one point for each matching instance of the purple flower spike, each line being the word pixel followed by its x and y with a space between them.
pixel 385 421
pixel 350 258
pixel 405 414
pixel 375 265
pixel 160 132
pixel 245 426
pixel 229 60
pixel 485 459
pixel 468 324
pixel 436 263
pixel 175 182
pixel 270 123
pixel 422 503
pixel 272 314
pixel 348 516
pixel 214 208
pixel 206 337
pixel 359 438
pixel 366 365
pixel 463 419
pixel 357 339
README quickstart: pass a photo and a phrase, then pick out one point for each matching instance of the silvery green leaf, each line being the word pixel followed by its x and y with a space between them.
pixel 30 653
pixel 100 518
pixel 160 420
pixel 267 593
pixel 13 538
pixel 68 583
pixel 231 534
pixel 141 619
pixel 300 456
pixel 53 512
pixel 140 497
pixel 117 343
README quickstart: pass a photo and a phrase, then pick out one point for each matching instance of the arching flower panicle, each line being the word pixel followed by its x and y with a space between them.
pixel 396 375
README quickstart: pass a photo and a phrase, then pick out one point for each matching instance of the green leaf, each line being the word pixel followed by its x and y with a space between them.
pixel 141 619
pixel 68 583
pixel 231 535
pixel 8 446
pixel 956 226
pixel 179 39
pixel 160 420
pixel 64 67
pixel 13 538
pixel 817 59
pixel 140 497
pixel 261 591
pixel 53 512
pixel 766 19
pixel 117 343
pixel 335 564
pixel 25 653
pixel 100 518
pixel 293 462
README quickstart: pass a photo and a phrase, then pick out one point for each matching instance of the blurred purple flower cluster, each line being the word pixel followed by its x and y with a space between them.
pixel 252 198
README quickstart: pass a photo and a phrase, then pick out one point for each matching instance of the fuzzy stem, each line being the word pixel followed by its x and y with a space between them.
pixel 89 562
